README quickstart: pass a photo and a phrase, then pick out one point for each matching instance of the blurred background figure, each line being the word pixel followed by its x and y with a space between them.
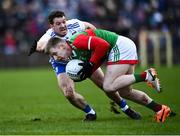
pixel 23 21
pixel 9 43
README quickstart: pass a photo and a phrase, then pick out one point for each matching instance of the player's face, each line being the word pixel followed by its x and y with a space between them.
pixel 61 51
pixel 59 26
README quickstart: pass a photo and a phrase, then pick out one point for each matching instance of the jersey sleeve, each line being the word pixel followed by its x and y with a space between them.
pixel 76 25
pixel 81 24
pixel 49 33
pixel 98 46
pixel 58 66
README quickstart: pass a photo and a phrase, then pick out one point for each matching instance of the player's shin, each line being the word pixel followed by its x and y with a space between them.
pixel 129 111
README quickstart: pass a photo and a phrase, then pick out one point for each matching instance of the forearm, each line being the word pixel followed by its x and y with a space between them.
pixel 41 46
pixel 89 26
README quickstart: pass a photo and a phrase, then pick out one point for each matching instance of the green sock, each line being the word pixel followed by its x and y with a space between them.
pixel 138 78
pixel 154 106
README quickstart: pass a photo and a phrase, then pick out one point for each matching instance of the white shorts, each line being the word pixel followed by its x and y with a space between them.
pixel 124 52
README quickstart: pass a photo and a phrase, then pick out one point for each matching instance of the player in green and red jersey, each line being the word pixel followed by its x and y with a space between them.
pixel 62 28
pixel 93 47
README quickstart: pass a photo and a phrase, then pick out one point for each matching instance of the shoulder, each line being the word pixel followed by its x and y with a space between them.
pixel 50 32
pixel 72 21
pixel 47 35
pixel 75 23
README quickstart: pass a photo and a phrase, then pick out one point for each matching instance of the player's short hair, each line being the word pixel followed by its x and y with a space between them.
pixel 55 14
pixel 52 43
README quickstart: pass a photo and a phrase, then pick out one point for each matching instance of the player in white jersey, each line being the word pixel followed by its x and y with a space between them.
pixel 65 29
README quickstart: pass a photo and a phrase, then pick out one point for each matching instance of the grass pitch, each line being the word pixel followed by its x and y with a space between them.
pixel 30 103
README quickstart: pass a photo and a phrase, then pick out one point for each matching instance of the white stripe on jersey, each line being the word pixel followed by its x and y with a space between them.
pixel 89 43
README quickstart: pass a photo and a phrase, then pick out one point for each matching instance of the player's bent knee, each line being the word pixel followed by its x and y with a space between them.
pixel 108 87
pixel 69 93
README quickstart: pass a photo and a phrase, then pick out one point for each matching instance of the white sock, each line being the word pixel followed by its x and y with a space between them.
pixel 125 108
pixel 91 112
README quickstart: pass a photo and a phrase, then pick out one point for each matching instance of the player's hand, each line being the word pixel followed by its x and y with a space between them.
pixel 86 71
pixel 33 48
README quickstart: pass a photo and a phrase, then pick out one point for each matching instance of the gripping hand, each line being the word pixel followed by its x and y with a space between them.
pixel 86 71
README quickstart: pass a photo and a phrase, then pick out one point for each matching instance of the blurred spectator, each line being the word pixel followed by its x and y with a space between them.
pixel 9 43
pixel 27 19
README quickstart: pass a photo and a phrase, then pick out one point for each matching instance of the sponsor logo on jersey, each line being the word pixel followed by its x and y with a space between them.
pixel 73 26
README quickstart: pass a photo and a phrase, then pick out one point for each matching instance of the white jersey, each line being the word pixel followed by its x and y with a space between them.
pixel 73 26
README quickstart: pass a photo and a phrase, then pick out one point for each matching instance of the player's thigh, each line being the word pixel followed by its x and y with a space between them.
pixel 115 71
pixel 131 69
pixel 98 77
pixel 65 83
pixel 127 90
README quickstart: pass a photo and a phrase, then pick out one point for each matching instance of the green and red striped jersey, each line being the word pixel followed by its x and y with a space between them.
pixel 92 45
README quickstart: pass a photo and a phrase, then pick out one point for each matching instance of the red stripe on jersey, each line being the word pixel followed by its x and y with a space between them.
pixel 123 62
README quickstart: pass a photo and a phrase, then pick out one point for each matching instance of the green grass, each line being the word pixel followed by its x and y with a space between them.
pixel 30 103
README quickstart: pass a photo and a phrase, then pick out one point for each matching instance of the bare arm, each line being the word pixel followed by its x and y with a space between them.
pixel 38 46
pixel 41 46
pixel 43 41
pixel 89 25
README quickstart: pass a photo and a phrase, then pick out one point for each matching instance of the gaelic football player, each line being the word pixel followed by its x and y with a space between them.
pixel 121 55
pixel 64 30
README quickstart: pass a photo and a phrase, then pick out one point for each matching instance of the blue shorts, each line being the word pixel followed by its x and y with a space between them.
pixel 58 66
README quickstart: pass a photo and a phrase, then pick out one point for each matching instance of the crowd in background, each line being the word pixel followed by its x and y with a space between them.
pixel 23 21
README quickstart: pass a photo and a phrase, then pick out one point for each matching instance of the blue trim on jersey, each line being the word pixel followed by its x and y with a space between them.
pixel 72 26
pixel 53 34
pixel 58 66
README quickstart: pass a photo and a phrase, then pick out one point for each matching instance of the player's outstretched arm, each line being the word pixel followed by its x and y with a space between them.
pixel 41 46
pixel 37 47
pixel 89 26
